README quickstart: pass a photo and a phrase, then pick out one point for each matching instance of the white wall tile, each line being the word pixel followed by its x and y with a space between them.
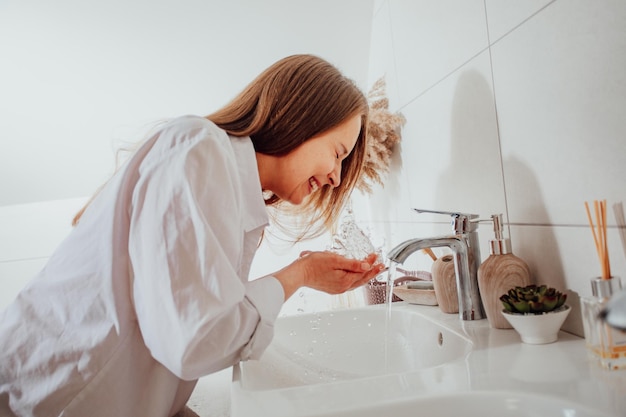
pixel 504 15
pixel 391 202
pixel 112 69
pixel 34 230
pixel 378 4
pixel 29 233
pixel 450 152
pixel 14 275
pixel 565 258
pixel 560 92
pixel 381 60
pixel 559 88
pixel 433 38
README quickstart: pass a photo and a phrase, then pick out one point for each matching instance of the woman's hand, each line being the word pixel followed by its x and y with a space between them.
pixel 327 272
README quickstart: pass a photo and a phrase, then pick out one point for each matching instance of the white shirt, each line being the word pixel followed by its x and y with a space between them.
pixel 150 291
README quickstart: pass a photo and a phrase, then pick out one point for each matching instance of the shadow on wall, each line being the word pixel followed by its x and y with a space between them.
pixel 392 180
pixel 474 171
pixel 473 182
pixel 537 243
pixel 388 197
pixel 384 203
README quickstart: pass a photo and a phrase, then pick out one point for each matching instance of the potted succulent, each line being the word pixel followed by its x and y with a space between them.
pixel 536 312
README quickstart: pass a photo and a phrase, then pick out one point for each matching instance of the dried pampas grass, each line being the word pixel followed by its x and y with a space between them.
pixel 383 132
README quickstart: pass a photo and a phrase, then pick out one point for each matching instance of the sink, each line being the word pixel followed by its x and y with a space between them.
pixel 418 360
pixel 350 344
pixel 477 403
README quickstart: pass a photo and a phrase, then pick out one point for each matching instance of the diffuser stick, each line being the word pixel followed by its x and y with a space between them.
pixel 599 235
pixel 618 209
pixel 593 230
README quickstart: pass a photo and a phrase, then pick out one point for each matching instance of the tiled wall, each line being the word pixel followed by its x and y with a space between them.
pixel 513 107
pixel 111 71
pixel 29 233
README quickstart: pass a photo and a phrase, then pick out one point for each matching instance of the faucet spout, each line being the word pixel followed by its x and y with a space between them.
pixel 470 304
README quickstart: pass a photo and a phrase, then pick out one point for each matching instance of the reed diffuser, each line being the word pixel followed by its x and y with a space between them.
pixel 605 345
pixel 599 235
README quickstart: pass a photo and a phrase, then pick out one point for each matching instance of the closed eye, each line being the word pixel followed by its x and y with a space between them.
pixel 344 153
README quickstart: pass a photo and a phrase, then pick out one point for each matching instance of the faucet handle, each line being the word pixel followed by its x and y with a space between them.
pixel 461 222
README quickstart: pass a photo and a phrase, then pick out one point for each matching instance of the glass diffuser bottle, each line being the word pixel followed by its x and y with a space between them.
pixel 605 344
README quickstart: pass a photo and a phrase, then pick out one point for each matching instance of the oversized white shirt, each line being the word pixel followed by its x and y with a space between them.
pixel 150 290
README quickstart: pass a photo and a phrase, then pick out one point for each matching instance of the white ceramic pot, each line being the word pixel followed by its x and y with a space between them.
pixel 537 329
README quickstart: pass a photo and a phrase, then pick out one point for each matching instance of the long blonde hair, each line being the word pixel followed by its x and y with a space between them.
pixel 292 101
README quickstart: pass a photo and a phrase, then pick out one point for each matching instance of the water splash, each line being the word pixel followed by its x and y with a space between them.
pixel 351 241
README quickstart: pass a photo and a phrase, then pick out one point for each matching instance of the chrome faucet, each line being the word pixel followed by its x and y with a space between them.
pixel 466 248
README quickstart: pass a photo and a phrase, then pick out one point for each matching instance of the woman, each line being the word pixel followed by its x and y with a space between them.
pixel 150 291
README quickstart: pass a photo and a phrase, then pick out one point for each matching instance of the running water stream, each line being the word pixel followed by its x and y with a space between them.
pixel 389 301
pixel 351 241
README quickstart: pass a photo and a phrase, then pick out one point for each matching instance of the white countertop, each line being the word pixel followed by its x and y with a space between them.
pixel 498 361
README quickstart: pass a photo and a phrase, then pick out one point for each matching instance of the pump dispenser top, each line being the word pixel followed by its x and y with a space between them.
pixel 499 245
pixel 500 272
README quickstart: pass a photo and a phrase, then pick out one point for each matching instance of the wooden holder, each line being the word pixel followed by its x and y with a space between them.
pixel 444 281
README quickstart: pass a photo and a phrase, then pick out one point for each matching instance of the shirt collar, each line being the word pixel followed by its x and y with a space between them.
pixel 254 204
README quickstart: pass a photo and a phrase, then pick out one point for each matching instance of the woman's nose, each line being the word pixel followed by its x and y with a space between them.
pixel 335 176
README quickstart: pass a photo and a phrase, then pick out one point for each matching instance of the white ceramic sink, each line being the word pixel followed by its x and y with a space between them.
pixel 355 362
pixel 477 403
pixel 348 344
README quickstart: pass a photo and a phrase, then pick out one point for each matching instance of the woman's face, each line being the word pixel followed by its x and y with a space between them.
pixel 313 164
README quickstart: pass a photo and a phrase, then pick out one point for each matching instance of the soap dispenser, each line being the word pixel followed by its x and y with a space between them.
pixel 500 272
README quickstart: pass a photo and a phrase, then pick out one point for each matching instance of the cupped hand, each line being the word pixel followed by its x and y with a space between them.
pixel 327 272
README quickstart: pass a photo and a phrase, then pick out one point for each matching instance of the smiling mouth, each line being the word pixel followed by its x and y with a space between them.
pixel 314 185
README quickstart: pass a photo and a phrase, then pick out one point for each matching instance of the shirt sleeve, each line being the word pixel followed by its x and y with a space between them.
pixel 195 313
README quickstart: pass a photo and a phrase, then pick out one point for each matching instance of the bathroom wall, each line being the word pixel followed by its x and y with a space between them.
pixel 511 107
pixel 80 79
